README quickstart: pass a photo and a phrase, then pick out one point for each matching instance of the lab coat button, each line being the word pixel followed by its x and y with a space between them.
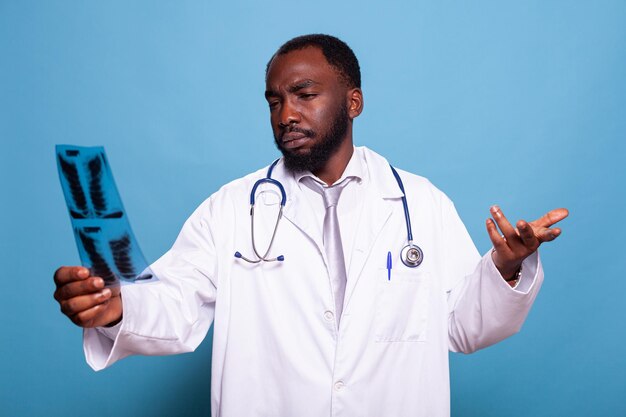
pixel 339 385
pixel 328 315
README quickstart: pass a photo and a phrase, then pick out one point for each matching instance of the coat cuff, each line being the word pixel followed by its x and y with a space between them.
pixel 531 269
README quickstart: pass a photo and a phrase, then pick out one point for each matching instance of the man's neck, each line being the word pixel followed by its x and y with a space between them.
pixel 337 163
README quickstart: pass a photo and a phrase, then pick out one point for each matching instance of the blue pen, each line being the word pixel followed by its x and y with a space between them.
pixel 388 266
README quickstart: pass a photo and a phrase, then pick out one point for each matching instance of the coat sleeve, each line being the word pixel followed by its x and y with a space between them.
pixel 172 315
pixel 482 308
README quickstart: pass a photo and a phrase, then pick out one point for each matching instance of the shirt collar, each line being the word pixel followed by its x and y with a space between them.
pixel 355 169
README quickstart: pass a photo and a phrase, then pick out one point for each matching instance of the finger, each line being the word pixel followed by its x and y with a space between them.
pixel 551 217
pixel 67 274
pixel 78 288
pixel 90 317
pixel 527 235
pixel 498 241
pixel 508 231
pixel 102 314
pixel 82 303
pixel 548 235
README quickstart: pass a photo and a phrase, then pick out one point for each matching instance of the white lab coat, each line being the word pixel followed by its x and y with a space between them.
pixel 276 348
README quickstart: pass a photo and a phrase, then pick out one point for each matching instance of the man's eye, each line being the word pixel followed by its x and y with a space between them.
pixel 273 104
pixel 307 96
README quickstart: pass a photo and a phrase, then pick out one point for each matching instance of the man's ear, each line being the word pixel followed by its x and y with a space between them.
pixel 355 102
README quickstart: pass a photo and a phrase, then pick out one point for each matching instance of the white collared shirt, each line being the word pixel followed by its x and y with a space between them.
pixel 348 207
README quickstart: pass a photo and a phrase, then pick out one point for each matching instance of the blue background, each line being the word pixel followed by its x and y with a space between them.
pixel 517 103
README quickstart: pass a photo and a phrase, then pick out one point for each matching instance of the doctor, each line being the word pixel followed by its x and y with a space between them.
pixel 345 332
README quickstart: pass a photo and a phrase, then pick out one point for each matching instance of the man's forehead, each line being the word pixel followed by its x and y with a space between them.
pixel 302 65
pixel 312 54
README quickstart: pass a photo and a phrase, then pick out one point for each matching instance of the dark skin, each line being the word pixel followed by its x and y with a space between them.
pixel 304 93
pixel 84 300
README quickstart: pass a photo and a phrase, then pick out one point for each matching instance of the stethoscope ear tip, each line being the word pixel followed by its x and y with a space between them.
pixel 237 254
pixel 280 258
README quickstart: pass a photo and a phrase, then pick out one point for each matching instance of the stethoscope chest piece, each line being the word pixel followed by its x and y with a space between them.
pixel 411 255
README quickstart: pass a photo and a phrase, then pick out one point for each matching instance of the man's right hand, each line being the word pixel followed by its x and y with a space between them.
pixel 85 300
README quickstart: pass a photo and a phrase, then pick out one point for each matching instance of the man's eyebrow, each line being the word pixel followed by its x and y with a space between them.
pixel 301 85
pixel 270 93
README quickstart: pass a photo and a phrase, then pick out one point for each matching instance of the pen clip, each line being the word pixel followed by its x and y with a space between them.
pixel 388 266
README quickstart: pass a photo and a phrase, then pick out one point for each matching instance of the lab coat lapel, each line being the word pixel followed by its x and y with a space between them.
pixel 371 224
pixel 380 199
pixel 297 210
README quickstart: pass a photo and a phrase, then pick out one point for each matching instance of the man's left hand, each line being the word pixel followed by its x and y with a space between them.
pixel 516 244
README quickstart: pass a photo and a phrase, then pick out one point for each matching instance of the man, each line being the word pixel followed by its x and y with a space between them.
pixel 341 326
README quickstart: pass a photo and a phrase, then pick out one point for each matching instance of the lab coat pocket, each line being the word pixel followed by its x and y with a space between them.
pixel 402 306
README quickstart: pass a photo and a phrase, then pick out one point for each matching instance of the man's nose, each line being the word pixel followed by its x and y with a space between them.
pixel 289 114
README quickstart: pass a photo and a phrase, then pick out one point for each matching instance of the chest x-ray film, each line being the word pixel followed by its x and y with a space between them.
pixel 106 243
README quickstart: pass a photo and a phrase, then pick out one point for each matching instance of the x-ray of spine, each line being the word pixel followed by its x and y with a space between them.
pixel 105 240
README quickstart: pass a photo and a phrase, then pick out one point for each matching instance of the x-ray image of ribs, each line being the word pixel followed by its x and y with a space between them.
pixel 98 198
pixel 103 235
pixel 78 196
pixel 121 256
pixel 99 265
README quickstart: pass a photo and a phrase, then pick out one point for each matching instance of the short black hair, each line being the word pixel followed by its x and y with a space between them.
pixel 337 53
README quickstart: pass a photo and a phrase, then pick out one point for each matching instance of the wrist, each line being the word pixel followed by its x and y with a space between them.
pixel 511 272
pixel 514 280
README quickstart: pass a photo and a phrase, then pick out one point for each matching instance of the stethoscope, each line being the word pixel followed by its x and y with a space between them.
pixel 411 255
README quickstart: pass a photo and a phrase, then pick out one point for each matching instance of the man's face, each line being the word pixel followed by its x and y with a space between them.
pixel 308 108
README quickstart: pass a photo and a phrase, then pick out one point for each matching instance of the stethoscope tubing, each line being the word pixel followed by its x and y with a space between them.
pixel 407 217
pixel 413 254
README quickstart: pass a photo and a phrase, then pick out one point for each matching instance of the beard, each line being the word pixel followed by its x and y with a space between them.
pixel 319 154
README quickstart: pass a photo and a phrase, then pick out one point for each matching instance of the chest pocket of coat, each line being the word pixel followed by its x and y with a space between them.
pixel 402 306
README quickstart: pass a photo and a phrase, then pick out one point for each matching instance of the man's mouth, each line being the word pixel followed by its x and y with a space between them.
pixel 294 138
pixel 290 136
